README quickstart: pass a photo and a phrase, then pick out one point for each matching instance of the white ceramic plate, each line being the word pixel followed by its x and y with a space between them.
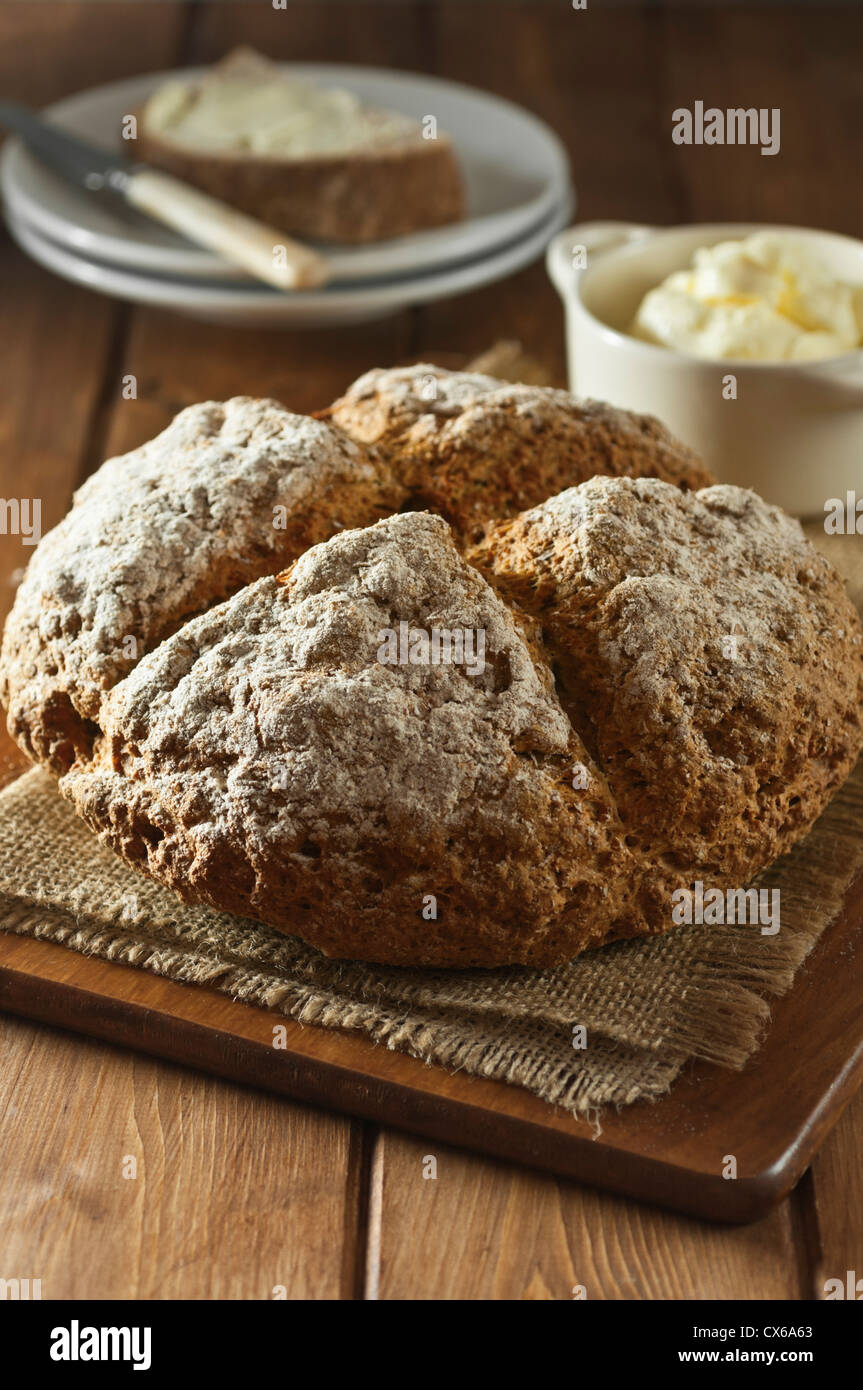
pixel 515 169
pixel 264 307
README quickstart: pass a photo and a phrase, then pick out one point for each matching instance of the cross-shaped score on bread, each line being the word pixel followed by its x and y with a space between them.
pixel 251 749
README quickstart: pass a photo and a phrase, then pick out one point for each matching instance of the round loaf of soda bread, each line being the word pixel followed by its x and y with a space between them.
pixel 270 680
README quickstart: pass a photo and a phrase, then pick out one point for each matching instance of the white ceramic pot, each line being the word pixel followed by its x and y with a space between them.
pixel 794 432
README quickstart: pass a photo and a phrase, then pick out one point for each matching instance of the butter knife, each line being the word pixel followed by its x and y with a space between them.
pixel 260 250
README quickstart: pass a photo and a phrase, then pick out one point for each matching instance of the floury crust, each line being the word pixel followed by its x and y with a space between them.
pixel 473 448
pixel 669 692
pixel 262 759
pixel 709 658
pixel 229 491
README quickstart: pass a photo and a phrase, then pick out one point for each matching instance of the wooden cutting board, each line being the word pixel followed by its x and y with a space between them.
pixel 771 1117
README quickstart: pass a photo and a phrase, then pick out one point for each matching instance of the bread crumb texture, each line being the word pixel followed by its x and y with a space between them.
pixel 472 447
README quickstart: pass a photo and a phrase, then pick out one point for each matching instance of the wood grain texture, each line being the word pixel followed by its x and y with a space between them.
pixel 594 75
pixel 176 362
pixel 803 60
pixel 837 1194
pixel 54 346
pixel 235 1192
pixel 54 48
pixel 376 32
pixel 481 1230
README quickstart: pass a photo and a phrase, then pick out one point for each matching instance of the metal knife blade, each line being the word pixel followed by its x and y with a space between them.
pixel 203 219
pixel 85 164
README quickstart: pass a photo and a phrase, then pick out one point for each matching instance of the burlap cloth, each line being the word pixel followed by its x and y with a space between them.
pixel 648 1007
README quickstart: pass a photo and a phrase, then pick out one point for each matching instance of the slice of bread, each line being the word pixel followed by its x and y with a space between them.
pixel 314 162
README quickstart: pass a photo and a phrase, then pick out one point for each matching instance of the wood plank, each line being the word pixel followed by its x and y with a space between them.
pixel 594 75
pixel 837 1180
pixel 482 1230
pixel 56 47
pixel 376 32
pixel 235 1194
pixel 803 60
pixel 670 1152
pixel 54 348
pixel 178 361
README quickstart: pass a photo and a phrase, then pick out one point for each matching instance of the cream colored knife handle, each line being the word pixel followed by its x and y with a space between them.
pixel 261 250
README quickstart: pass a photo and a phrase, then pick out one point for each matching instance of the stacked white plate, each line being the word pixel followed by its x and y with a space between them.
pixel 518 192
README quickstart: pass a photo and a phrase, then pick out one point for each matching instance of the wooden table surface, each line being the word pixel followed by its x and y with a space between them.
pixel 238 1193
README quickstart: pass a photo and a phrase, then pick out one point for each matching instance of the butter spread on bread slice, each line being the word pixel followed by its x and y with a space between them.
pixel 313 161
